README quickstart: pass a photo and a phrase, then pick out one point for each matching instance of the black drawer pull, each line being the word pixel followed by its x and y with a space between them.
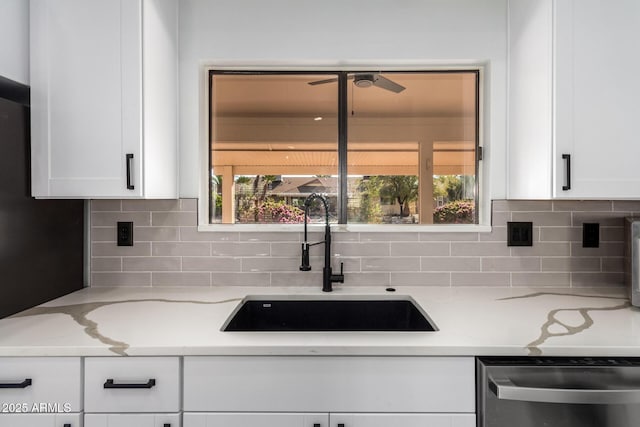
pixel 24 384
pixel 567 157
pixel 67 425
pixel 167 425
pixel 111 384
pixel 316 425
pixel 129 160
pixel 340 425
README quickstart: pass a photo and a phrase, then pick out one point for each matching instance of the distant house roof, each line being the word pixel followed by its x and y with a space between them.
pixel 303 186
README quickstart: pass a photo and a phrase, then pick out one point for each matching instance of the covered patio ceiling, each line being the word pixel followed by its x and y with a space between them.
pixel 269 125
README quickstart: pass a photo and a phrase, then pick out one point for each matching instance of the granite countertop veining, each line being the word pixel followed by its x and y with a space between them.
pixel 187 321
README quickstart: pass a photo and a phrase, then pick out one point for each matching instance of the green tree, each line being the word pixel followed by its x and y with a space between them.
pixel 402 188
pixel 369 191
pixel 454 187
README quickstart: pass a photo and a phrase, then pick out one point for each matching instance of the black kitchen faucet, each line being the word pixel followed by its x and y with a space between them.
pixel 328 278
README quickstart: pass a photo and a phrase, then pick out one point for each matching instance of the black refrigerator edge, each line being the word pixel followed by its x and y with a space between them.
pixel 41 241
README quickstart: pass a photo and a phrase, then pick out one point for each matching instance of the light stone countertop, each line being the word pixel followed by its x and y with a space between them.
pixel 187 321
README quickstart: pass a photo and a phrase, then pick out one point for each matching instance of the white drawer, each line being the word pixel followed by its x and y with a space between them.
pixel 132 420
pixel 132 384
pixel 51 381
pixel 41 420
pixel 403 420
pixel 329 384
pixel 255 419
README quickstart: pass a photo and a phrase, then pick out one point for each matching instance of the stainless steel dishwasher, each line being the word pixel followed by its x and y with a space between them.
pixel 558 392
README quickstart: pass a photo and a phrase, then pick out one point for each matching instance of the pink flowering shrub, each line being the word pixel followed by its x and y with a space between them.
pixel 455 212
pixel 280 212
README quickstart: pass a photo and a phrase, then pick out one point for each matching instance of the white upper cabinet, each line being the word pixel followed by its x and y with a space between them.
pixel 104 98
pixel 573 99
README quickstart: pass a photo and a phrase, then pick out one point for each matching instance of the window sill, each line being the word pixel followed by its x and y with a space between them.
pixel 353 228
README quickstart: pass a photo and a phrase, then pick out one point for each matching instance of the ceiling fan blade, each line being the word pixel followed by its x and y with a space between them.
pixel 321 82
pixel 385 83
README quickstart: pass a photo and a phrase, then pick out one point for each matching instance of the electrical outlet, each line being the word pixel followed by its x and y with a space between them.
pixel 519 234
pixel 590 235
pixel 125 233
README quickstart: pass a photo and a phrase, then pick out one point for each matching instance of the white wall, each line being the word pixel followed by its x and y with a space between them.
pixel 338 33
pixel 14 40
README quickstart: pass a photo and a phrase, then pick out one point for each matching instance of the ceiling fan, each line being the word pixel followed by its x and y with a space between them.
pixel 367 80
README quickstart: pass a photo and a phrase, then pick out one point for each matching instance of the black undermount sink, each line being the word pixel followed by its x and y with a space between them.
pixel 263 314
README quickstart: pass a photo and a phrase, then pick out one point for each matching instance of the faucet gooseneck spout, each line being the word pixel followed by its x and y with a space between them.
pixel 328 278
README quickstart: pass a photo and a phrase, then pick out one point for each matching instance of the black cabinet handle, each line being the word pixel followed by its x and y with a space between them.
pixel 24 384
pixel 166 425
pixel 316 425
pixel 67 425
pixel 567 158
pixel 340 425
pixel 130 186
pixel 111 384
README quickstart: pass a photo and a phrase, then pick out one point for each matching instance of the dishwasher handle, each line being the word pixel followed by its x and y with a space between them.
pixel 505 389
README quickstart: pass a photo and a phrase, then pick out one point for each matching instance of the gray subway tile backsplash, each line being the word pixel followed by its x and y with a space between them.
pixel 109 219
pixel 156 234
pixel 522 205
pixel 480 279
pixel 151 264
pixel 170 251
pixel 447 264
pixel 120 279
pixel 420 249
pixel 387 264
pixel 181 249
pixel 541 279
pixel 211 264
pixel 151 205
pixel 359 249
pixel 100 249
pixel 479 249
pixel 511 264
pixel 182 278
pixel 236 249
pixel 423 278
pixel 174 218
pixel 544 219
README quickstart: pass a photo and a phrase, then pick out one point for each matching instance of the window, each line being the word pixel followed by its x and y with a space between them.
pixel 383 147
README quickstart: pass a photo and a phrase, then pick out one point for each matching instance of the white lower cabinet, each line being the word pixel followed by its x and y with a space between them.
pixel 303 391
pixel 264 419
pixel 255 419
pixel 132 420
pixel 41 420
pixel 402 420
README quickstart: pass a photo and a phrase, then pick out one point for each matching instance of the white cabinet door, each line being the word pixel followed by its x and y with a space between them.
pixel 402 420
pixel 85 97
pixel 596 98
pixel 573 94
pixel 103 98
pixel 256 419
pixel 132 420
pixel 40 420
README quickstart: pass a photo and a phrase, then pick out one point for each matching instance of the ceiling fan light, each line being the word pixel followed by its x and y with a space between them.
pixel 363 81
